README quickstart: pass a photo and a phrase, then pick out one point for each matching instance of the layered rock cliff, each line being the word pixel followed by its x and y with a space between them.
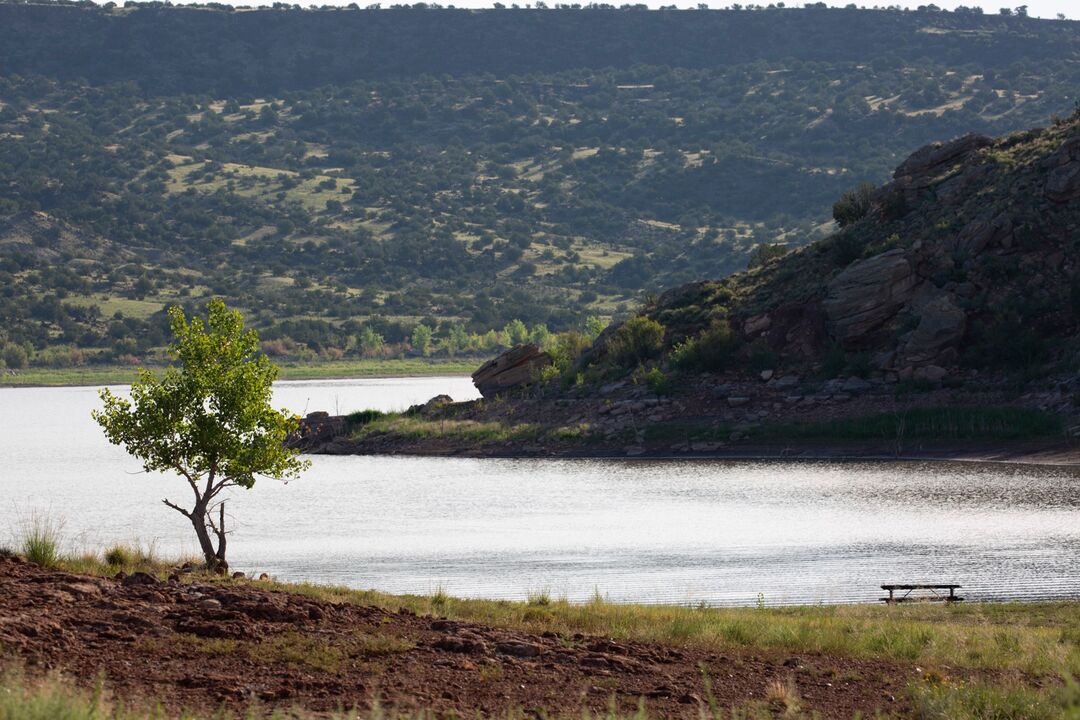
pixel 966 261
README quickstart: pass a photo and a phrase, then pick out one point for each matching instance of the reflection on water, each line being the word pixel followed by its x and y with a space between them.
pixel 673 531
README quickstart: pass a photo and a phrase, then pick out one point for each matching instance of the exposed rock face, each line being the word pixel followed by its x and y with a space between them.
pixel 516 367
pixel 867 294
pixel 941 327
pixel 981 233
pixel 927 160
pixel 1063 183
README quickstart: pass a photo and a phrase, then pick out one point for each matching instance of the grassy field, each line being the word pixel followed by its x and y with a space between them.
pixel 122 374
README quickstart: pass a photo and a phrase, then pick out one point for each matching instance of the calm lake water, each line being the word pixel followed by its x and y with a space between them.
pixel 648 531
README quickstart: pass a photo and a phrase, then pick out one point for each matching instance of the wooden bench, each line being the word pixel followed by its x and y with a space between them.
pixel 935 594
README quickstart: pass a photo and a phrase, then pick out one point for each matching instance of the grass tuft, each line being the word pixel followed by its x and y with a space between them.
pixel 41 538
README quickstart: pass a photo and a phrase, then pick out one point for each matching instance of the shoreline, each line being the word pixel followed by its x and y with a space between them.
pixel 1055 457
pixel 332 436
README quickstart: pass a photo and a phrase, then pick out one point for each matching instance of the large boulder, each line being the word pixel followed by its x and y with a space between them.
pixel 982 232
pixel 941 326
pixel 520 365
pixel 867 294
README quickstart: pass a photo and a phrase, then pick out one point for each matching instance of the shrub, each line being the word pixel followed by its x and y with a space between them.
pixel 657 382
pixel 566 349
pixel 15 357
pixel 853 205
pixel 638 339
pixel 118 556
pixel 710 351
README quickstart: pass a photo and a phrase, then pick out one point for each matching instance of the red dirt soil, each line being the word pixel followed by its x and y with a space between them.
pixel 202 646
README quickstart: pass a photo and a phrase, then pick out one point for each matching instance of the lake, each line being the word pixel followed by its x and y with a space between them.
pixel 680 531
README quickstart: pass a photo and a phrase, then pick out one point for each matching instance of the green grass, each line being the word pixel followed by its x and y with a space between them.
pixel 123 374
pixel 41 538
pixel 416 428
pixel 1039 638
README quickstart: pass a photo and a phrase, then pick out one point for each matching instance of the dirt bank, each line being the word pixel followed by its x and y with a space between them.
pixel 198 645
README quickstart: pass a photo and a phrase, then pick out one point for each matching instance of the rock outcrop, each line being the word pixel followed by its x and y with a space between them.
pixel 941 326
pixel 867 294
pixel 518 366
pixel 1063 181
pixel 928 160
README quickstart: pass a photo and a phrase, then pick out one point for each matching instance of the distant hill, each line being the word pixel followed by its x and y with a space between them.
pixel 344 175
pixel 963 268
pixel 219 50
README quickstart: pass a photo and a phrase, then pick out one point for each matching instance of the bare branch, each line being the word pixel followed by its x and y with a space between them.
pixel 177 508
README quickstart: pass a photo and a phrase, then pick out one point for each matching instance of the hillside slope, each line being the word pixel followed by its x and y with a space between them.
pixel 941 321
pixel 344 176
pixel 967 260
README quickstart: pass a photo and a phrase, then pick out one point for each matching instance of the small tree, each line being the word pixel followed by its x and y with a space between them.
pixel 421 339
pixel 209 420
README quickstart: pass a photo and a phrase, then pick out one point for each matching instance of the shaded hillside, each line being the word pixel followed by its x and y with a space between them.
pixel 218 50
pixel 965 262
pixel 152 156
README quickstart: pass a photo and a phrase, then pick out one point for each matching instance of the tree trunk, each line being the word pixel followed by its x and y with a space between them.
pixel 202 532
pixel 221 566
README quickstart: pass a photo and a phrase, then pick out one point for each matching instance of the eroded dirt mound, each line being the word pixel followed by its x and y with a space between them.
pixel 203 646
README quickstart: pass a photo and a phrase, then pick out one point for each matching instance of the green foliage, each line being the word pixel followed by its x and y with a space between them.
pixel 360 418
pixel 421 339
pixel 657 382
pixel 607 172
pixel 566 349
pixel 638 339
pixel 594 326
pixel 853 205
pixel 712 350
pixel 516 332
pixel 15 357
pixel 210 420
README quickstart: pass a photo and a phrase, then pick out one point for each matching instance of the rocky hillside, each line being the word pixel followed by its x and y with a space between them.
pixel 965 262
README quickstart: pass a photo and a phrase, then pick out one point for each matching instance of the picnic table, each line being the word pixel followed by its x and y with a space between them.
pixel 936 593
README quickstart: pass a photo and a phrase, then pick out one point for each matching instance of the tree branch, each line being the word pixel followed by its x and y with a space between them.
pixel 178 509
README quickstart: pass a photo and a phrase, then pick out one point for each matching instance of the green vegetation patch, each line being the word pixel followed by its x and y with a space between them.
pixel 415 428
